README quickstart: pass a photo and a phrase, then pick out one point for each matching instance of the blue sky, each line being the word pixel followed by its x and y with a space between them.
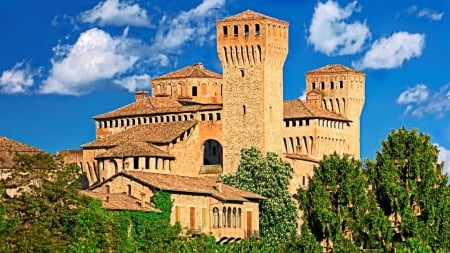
pixel 63 62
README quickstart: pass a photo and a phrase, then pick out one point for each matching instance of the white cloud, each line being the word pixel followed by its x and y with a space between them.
pixel 17 79
pixel 114 12
pixel 329 32
pixel 416 94
pixel 192 25
pixel 94 57
pixel 420 101
pixel 429 14
pixel 444 156
pixel 391 52
pixel 133 83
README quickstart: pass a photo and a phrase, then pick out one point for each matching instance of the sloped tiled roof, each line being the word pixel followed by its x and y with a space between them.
pixel 132 149
pixel 9 148
pixel 120 201
pixel 300 109
pixel 185 184
pixel 163 132
pixel 250 15
pixel 147 107
pixel 143 106
pixel 333 68
pixel 193 71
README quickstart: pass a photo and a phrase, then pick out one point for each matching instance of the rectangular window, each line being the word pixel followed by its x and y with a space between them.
pixel 136 163
pixel 225 31
pixel 246 30
pixel 323 85
pixel 147 163
pixel 210 116
pixel 257 29
pixel 235 30
pixel 332 85
pixel 202 117
pixel 218 116
pixel 194 91
pixel 313 86
pixel 341 84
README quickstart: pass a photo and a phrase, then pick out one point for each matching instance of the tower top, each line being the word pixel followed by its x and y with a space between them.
pixel 335 69
pixel 250 15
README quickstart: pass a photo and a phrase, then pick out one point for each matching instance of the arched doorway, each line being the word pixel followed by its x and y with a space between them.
pixel 212 157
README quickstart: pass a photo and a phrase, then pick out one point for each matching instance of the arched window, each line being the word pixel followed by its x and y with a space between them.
pixel 246 30
pixel 216 217
pixel 233 220
pixel 224 217
pixel 238 220
pixel 229 217
pixel 225 31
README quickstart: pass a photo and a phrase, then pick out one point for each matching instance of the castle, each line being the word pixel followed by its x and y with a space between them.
pixel 195 123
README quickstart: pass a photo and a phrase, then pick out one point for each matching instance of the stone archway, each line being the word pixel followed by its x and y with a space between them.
pixel 212 153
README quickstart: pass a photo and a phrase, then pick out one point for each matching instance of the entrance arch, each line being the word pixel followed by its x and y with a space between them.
pixel 212 152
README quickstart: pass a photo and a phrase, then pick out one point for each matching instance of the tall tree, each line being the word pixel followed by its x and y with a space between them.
pixel 338 208
pixel 269 176
pixel 411 190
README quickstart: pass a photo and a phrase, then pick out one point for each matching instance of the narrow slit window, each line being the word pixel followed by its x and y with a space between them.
pixel 313 86
pixel 235 30
pixel 322 85
pixel 257 29
pixel 244 110
pixel 225 31
pixel 332 85
pixel 194 91
pixel 341 84
pixel 246 30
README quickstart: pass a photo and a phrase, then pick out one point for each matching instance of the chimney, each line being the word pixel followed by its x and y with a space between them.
pixel 140 95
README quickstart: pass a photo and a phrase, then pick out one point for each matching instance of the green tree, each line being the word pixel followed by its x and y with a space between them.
pixel 412 191
pixel 268 176
pixel 338 208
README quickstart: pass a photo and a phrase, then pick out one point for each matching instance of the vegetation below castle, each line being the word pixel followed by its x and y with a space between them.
pixel 399 202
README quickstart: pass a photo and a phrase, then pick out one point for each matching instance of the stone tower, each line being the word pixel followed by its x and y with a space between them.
pixel 342 91
pixel 252 49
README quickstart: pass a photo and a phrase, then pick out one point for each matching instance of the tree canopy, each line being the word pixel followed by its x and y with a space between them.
pixel 269 176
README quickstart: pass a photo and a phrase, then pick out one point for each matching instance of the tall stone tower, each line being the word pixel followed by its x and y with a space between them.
pixel 342 90
pixel 252 49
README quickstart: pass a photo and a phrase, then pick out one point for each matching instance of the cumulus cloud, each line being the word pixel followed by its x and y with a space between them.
pixel 94 57
pixel 17 79
pixel 416 94
pixel 133 83
pixel 391 52
pixel 329 32
pixel 429 14
pixel 116 13
pixel 419 100
pixel 192 25
pixel 444 156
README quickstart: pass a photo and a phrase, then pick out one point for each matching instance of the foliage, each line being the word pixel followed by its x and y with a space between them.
pixel 268 176
pixel 411 190
pixel 338 209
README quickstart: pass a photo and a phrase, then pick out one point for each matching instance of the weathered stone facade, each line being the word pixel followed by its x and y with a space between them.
pixel 196 122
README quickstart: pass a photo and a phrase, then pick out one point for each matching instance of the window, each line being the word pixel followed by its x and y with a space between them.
pixel 313 86
pixel 233 220
pixel 235 30
pixel 224 217
pixel 136 163
pixel 194 91
pixel 332 85
pixel 341 84
pixel 218 116
pixel 107 189
pixel 210 116
pixel 229 217
pixel 202 116
pixel 322 84
pixel 246 30
pixel 147 163
pixel 129 189
pixel 244 111
pixel 242 73
pixel 214 151
pixel 238 220
pixel 216 217
pixel 225 31
pixel 257 29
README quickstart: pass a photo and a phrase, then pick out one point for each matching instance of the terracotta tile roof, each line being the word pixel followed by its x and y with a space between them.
pixel 143 106
pixel 333 68
pixel 9 148
pixel 155 106
pixel 163 132
pixel 193 71
pixel 120 201
pixel 185 184
pixel 250 15
pixel 297 109
pixel 131 149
